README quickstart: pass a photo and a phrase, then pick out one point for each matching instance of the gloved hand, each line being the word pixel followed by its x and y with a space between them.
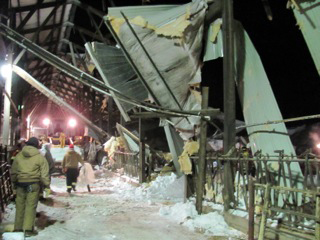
pixel 47 192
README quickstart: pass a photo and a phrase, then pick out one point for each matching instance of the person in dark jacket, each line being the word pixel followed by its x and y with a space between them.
pixel 70 164
pixel 48 156
pixel 29 169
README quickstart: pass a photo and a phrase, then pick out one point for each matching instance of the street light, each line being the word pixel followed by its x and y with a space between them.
pixel 72 123
pixel 46 122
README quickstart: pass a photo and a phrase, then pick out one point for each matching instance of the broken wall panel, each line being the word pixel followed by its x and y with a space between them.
pixel 307 14
pixel 174 43
pixel 259 105
pixel 116 72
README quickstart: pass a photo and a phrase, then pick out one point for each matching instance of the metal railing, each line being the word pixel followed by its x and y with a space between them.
pixel 128 161
pixel 292 196
pixel 6 192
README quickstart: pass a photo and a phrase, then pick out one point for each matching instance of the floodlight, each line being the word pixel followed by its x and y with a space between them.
pixel 6 70
pixel 46 121
pixel 72 122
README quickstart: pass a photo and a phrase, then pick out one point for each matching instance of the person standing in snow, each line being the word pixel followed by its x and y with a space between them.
pixel 29 169
pixel 48 156
pixel 70 167
pixel 62 140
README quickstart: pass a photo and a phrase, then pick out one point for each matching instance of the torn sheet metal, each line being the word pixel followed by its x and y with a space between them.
pixel 116 72
pixel 175 145
pixel 307 14
pixel 131 141
pixel 213 48
pixel 173 39
pixel 259 104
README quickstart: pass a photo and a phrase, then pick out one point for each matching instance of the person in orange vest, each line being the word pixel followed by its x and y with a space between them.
pixel 62 139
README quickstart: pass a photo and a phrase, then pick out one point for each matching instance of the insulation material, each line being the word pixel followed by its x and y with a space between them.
pixel 108 144
pixel 209 192
pixel 185 164
pixel 167 157
pixel 307 14
pixel 175 48
pixel 184 160
pixel 176 28
pixel 112 145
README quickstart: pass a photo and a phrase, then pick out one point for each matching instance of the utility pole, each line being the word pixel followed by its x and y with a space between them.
pixel 228 97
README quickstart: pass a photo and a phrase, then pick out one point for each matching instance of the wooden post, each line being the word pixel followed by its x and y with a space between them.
pixel 264 212
pixel 251 209
pixel 317 232
pixel 229 98
pixel 202 153
pixel 142 153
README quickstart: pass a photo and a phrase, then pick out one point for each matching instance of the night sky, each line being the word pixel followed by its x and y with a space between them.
pixel 283 51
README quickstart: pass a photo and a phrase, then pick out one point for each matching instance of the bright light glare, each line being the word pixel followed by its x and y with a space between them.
pixel 46 121
pixel 72 122
pixel 6 70
pixel 318 145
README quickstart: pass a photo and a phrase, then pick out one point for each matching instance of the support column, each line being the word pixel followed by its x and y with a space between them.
pixel 201 177
pixel 142 153
pixel 6 105
pixel 110 116
pixel 229 97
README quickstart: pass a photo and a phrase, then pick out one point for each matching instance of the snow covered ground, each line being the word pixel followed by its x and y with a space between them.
pixel 116 210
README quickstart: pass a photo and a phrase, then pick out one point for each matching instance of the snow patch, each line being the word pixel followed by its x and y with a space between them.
pixel 212 224
pixel 13 236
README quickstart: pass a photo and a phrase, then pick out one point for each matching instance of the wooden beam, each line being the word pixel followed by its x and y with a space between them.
pixel 44 28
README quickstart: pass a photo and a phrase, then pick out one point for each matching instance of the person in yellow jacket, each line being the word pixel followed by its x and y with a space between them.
pixel 70 164
pixel 62 140
pixel 29 169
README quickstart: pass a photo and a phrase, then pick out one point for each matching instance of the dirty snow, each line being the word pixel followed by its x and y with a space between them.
pixel 117 210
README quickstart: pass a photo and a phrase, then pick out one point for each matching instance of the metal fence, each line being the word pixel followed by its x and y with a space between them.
pixel 287 197
pixel 129 162
pixel 5 179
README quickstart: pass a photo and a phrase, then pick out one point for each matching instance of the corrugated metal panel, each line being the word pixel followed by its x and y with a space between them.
pixel 307 14
pixel 177 57
pixel 213 47
pixel 114 68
